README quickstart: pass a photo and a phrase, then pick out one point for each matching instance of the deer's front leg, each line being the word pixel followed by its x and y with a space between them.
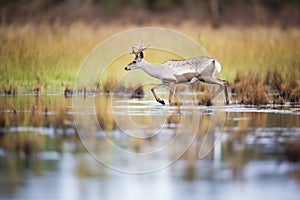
pixel 172 91
pixel 162 85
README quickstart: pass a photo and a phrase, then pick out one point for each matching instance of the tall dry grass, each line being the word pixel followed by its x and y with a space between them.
pixel 255 48
pixel 250 89
pixel 48 55
pixel 285 89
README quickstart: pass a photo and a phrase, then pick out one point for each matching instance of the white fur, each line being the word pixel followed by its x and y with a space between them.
pixel 218 66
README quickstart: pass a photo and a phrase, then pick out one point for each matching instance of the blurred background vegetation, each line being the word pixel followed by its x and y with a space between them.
pixel 266 12
pixel 44 42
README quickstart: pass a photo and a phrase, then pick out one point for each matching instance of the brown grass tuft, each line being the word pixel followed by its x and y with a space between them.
pixel 109 85
pixel 199 87
pixel 10 90
pixel 295 95
pixel 287 90
pixel 68 92
pixel 138 92
pixel 204 98
pixel 250 89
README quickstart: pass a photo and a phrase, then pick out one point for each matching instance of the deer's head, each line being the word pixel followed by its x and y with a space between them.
pixel 139 55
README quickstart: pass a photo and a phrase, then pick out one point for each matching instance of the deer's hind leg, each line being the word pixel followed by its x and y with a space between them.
pixel 225 90
pixel 222 86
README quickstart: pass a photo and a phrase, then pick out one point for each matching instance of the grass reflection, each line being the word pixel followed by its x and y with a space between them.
pixel 37 131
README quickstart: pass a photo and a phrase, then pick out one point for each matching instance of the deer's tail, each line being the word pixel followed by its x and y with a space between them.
pixel 217 65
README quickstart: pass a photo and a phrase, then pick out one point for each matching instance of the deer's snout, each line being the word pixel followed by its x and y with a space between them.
pixel 127 68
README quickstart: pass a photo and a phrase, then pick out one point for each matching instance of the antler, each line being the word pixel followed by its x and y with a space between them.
pixel 139 48
pixel 132 50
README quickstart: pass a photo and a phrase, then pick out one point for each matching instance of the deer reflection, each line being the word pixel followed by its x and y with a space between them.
pixel 173 119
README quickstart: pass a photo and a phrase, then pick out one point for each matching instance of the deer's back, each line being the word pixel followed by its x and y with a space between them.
pixel 197 64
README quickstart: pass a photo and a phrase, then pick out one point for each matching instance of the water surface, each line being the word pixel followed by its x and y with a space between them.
pixel 42 157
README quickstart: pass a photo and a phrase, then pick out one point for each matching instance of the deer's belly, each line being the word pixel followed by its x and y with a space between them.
pixel 189 77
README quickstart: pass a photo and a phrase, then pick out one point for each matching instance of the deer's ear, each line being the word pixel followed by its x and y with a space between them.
pixel 141 55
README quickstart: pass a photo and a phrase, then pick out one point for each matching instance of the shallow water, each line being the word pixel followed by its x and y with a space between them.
pixel 41 156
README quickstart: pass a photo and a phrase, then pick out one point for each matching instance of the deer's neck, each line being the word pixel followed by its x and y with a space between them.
pixel 153 70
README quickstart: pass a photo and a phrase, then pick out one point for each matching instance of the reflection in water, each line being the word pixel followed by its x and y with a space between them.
pixel 41 156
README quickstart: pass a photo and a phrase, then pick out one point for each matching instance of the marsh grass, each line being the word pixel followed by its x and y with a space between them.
pixel 284 90
pixel 109 85
pixel 257 48
pixel 46 55
pixel 137 91
pixel 250 89
pixel 49 55
pixel 204 98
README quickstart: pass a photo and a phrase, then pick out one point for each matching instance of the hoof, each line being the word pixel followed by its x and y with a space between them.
pixel 161 101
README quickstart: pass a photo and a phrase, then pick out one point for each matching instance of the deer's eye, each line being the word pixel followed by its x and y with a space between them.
pixel 134 62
